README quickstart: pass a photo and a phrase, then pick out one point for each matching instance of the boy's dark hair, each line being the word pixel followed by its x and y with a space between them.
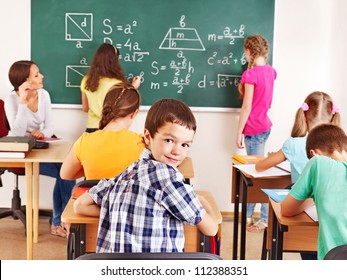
pixel 169 110
pixel 327 138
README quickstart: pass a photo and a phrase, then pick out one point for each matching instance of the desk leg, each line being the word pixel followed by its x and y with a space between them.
pixel 29 209
pixel 36 172
pixel 236 212
pixel 274 237
pixel 243 221
pixel 279 250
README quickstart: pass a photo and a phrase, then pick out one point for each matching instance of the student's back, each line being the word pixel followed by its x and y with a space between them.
pixel 107 152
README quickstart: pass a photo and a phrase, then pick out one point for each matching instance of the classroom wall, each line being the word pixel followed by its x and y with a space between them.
pixel 309 54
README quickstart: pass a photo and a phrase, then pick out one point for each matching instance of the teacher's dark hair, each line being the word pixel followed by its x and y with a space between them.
pixel 19 72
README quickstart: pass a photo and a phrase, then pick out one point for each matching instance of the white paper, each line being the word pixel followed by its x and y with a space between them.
pixel 250 169
pixel 312 212
pixel 285 165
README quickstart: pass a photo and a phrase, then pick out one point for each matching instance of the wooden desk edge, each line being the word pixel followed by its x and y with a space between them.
pixel 186 168
pixel 301 219
pixel 69 216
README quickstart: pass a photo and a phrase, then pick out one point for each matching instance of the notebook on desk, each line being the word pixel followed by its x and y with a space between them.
pixel 279 195
pixel 276 195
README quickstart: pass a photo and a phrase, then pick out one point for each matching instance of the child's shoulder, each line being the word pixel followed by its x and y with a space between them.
pixel 161 172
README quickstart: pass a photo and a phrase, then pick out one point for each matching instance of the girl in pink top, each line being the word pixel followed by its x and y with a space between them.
pixel 256 89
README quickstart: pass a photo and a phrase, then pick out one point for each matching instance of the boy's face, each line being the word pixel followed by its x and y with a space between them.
pixel 170 144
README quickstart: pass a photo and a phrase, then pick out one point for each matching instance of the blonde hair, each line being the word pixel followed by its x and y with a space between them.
pixel 317 109
pixel 258 46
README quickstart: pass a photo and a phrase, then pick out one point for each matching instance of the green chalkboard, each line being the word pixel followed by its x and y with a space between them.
pixel 191 50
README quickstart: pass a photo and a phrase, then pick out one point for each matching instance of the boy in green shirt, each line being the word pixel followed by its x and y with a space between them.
pixel 325 180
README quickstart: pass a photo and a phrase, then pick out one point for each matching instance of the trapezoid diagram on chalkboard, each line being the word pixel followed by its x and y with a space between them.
pixel 78 26
pixel 178 38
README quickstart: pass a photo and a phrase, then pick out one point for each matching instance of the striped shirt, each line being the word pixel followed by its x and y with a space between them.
pixel 143 209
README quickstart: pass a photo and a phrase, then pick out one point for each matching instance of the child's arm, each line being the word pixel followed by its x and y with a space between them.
pixel 85 104
pixel 208 224
pixel 291 206
pixel 271 160
pixel 245 111
pixel 72 167
pixel 85 205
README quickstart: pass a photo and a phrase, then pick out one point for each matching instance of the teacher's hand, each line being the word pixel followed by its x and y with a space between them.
pixel 37 134
pixel 23 92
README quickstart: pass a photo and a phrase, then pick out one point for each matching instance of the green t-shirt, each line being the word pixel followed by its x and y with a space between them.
pixel 325 180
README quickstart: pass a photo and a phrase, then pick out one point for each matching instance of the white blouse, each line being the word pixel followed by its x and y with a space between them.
pixel 23 121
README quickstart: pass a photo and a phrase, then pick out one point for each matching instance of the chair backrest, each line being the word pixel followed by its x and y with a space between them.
pixel 337 253
pixel 149 256
pixel 3 120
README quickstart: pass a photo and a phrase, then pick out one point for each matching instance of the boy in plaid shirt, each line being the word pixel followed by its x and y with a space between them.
pixel 144 208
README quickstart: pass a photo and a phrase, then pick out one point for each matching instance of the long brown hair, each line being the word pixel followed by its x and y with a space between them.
pixel 105 64
pixel 120 101
pixel 318 108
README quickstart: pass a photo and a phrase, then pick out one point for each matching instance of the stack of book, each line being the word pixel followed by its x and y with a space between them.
pixel 15 146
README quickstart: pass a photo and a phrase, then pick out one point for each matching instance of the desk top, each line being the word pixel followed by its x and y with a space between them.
pixel 56 152
pixel 301 219
pixel 186 168
pixel 69 216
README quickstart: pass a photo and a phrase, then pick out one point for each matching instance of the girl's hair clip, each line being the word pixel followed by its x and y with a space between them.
pixel 305 107
pixel 335 109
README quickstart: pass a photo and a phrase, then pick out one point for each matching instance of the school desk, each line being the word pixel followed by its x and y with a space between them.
pixel 84 229
pixel 249 190
pixel 298 233
pixel 55 153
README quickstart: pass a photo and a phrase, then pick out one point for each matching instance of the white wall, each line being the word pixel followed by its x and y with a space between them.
pixel 309 54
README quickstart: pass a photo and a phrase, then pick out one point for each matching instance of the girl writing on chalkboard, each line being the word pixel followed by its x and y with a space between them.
pixel 104 72
pixel 256 89
pixel 29 113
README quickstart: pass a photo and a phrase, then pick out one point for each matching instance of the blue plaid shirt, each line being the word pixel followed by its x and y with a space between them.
pixel 143 209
